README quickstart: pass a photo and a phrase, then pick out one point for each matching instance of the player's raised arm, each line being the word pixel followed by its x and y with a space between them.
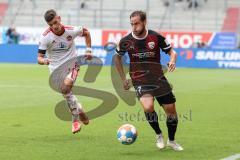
pixel 87 36
pixel 88 42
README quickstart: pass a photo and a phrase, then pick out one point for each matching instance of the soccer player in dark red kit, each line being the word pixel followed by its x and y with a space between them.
pixel 143 48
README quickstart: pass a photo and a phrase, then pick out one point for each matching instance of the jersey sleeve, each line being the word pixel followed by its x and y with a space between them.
pixel 78 31
pixel 42 45
pixel 121 49
pixel 164 44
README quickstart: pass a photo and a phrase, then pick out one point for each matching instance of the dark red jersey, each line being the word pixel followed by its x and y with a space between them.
pixel 144 55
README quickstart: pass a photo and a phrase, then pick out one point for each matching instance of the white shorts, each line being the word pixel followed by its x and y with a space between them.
pixel 69 70
pixel 73 73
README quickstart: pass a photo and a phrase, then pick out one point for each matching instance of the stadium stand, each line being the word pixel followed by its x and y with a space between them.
pixel 232 20
pixel 3 9
pixel 209 16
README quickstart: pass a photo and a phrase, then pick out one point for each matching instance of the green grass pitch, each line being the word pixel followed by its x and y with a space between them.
pixel 208 101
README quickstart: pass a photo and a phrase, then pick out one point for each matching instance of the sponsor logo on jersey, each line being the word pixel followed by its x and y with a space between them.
pixel 62 45
pixel 151 45
pixel 69 38
pixel 144 54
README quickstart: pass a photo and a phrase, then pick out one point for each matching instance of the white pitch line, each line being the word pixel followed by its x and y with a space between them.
pixel 233 157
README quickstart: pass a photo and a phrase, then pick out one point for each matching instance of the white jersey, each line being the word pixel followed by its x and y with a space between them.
pixel 60 48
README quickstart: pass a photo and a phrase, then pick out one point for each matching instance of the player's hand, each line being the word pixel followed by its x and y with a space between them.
pixel 88 54
pixel 126 84
pixel 46 61
pixel 171 66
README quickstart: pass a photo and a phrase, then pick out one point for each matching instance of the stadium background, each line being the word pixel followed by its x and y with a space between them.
pixel 205 34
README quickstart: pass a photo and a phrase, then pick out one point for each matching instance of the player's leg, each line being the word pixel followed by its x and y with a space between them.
pixel 147 102
pixel 168 103
pixel 71 99
pixel 70 80
pixel 73 104
pixel 172 120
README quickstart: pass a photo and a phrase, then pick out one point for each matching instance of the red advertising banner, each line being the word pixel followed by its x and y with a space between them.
pixel 187 39
pixel 112 36
pixel 177 39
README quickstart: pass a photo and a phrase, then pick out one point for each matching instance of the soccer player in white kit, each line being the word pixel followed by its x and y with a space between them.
pixel 57 42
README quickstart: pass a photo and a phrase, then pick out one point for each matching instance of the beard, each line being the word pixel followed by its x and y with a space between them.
pixel 57 29
pixel 140 32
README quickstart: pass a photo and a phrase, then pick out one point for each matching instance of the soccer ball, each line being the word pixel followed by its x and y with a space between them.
pixel 127 134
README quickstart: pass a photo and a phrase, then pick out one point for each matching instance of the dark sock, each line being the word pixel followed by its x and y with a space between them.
pixel 172 122
pixel 152 119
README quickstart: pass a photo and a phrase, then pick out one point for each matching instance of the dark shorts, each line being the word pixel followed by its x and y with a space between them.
pixel 163 98
pixel 166 99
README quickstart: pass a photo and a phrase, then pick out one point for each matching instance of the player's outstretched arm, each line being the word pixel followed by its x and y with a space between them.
pixel 173 60
pixel 41 60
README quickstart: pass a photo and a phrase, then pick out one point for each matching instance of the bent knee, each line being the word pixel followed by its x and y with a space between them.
pixel 148 109
pixel 65 89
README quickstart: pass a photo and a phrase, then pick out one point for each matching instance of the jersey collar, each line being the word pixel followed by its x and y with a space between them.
pixel 134 36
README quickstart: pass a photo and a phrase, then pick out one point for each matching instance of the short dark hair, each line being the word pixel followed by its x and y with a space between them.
pixel 139 13
pixel 49 15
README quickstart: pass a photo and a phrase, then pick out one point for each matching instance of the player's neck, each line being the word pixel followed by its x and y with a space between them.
pixel 142 36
